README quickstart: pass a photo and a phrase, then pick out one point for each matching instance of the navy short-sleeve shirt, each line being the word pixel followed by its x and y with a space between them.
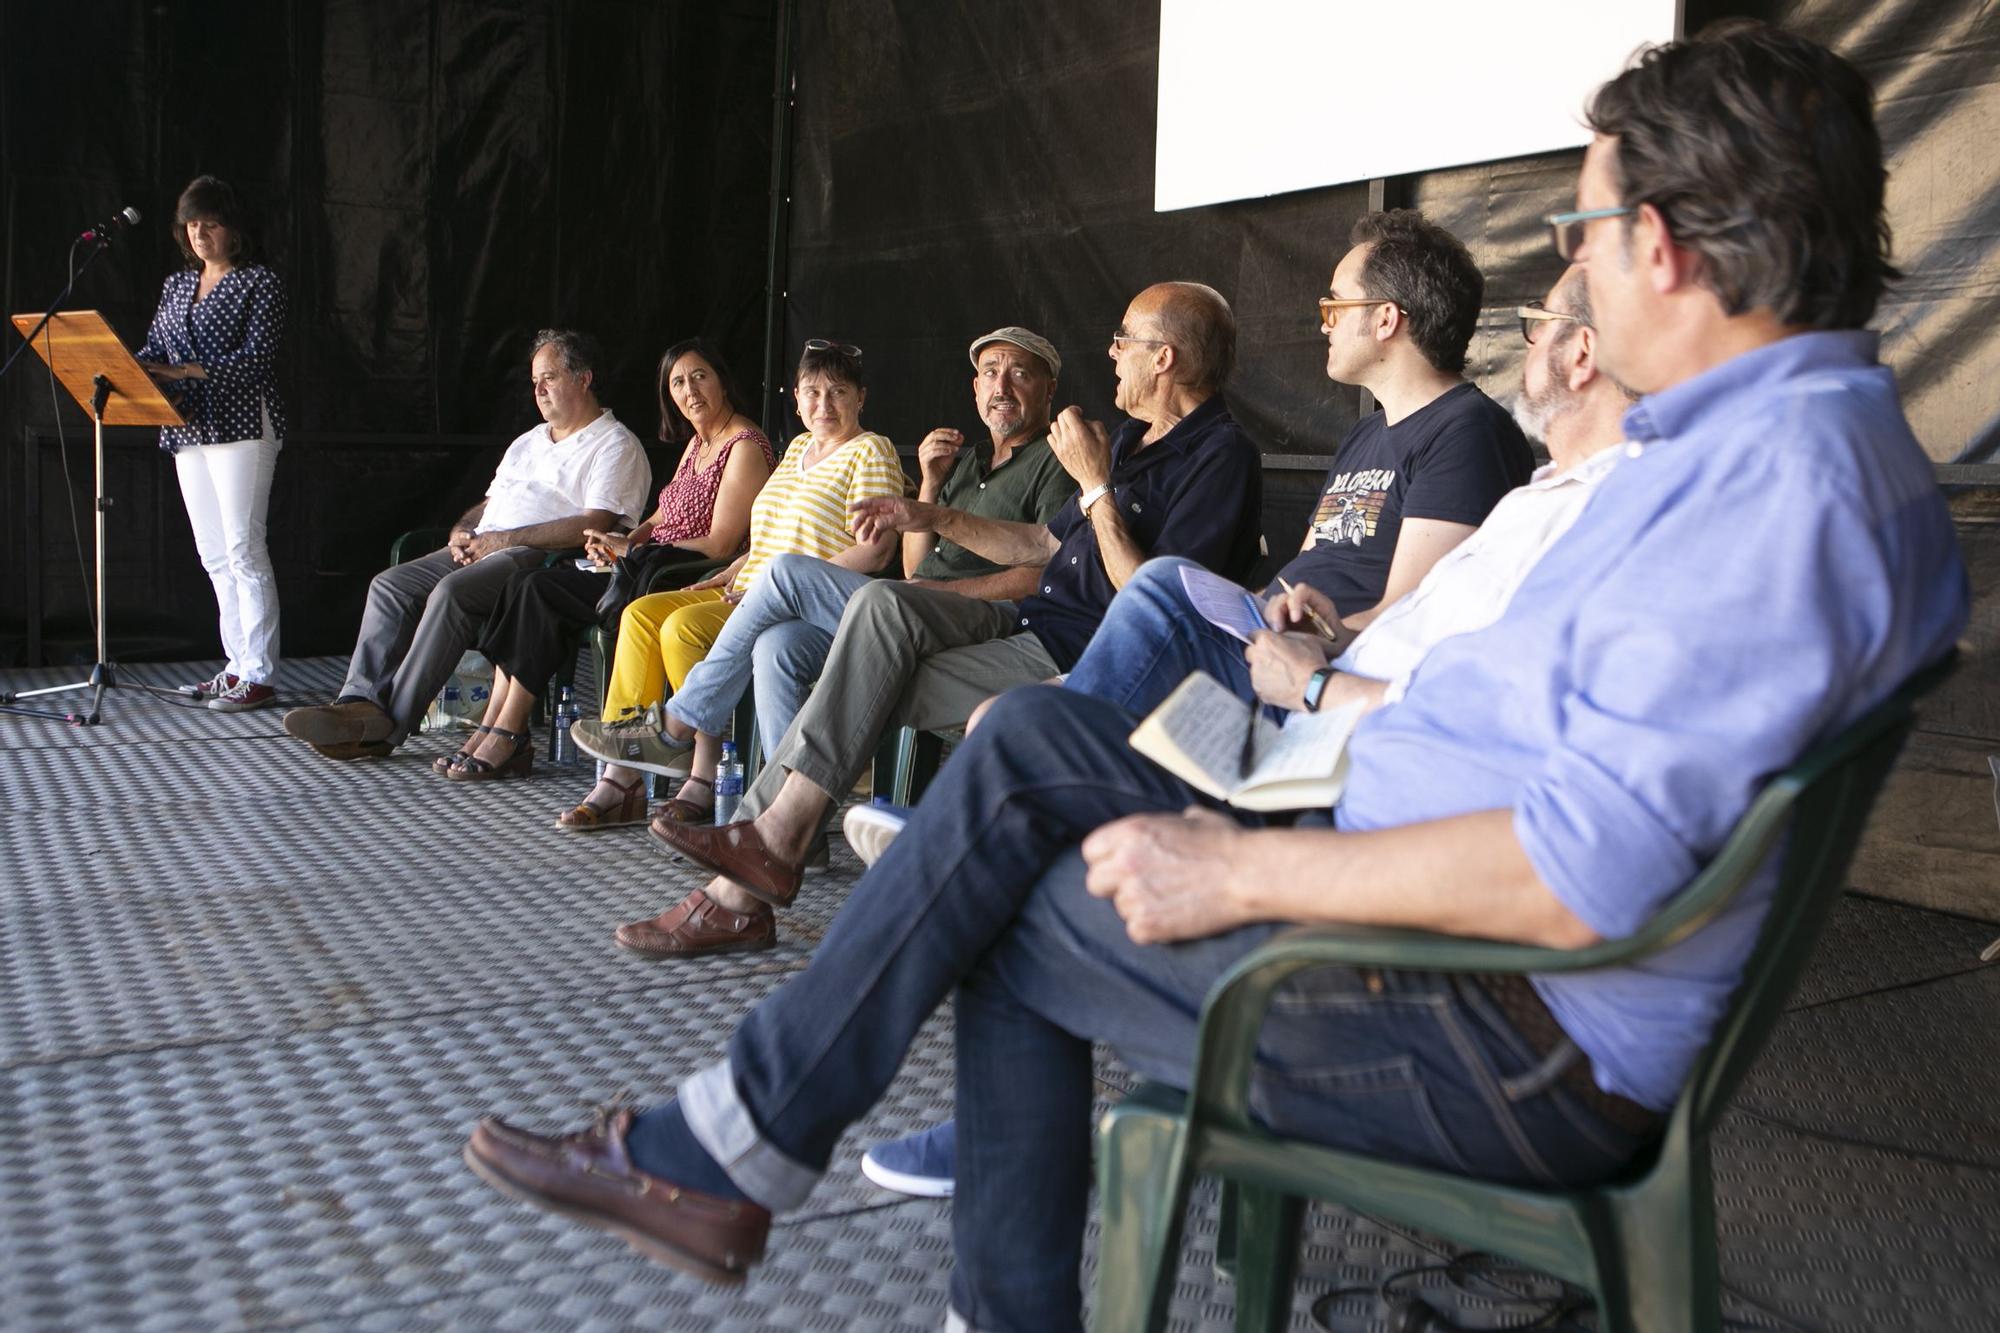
pixel 1197 492
pixel 1451 459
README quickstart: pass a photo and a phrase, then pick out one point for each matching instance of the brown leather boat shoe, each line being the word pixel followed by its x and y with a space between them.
pixel 736 852
pixel 356 722
pixel 587 1177
pixel 697 925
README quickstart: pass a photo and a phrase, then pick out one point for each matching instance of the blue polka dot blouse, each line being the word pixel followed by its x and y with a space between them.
pixel 233 333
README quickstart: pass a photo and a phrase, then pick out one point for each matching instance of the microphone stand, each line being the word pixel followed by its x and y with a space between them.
pixel 103 244
pixel 103 674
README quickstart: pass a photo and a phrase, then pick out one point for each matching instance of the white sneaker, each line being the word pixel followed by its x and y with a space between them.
pixel 871 828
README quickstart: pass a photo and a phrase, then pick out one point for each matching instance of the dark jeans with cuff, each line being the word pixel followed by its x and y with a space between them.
pixel 982 900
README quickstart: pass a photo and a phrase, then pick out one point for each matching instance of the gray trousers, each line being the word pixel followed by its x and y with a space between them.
pixel 421 617
pixel 903 657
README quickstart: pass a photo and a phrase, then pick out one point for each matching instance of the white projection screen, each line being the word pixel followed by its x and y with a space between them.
pixel 1261 97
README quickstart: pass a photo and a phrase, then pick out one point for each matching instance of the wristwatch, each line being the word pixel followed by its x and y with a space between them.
pixel 1091 497
pixel 1316 686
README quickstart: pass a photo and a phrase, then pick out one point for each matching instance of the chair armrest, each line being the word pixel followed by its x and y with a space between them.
pixel 1232 1014
pixel 680 573
pixel 416 542
pixel 1225 1042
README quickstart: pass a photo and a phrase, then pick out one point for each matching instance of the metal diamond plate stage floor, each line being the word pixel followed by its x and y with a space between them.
pixel 251 1002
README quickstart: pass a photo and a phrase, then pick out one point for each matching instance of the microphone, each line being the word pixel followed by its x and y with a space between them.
pixel 104 231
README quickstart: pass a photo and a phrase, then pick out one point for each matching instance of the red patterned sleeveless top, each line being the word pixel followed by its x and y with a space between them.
pixel 687 503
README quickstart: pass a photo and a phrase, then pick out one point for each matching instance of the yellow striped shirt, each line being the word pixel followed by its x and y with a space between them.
pixel 803 511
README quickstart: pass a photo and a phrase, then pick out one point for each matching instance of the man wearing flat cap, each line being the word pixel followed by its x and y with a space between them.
pixel 1010 477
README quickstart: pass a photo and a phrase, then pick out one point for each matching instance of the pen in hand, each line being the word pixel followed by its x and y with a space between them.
pixel 1313 616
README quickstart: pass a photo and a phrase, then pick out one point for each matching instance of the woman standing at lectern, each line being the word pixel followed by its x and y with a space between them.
pixel 213 347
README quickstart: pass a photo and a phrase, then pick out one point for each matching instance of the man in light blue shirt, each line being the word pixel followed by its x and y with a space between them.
pixel 1772 559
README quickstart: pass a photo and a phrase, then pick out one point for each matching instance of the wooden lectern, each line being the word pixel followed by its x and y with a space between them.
pixel 108 384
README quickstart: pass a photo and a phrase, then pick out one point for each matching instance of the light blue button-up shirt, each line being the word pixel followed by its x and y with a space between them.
pixel 1772 559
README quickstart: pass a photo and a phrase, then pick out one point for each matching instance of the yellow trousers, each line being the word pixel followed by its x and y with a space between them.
pixel 660 638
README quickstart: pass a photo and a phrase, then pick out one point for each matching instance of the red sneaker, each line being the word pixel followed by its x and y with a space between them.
pixel 215 686
pixel 243 696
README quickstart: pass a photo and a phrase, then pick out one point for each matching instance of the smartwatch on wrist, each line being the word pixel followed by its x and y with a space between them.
pixel 1315 687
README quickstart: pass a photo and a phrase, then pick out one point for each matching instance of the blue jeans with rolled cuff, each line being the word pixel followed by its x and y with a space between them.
pixel 982 901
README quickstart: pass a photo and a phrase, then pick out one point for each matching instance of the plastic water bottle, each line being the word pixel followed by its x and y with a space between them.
pixel 728 785
pixel 562 749
pixel 434 719
pixel 451 708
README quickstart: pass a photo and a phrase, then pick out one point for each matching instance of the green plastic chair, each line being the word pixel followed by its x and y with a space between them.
pixel 1643 1243
pixel 907 760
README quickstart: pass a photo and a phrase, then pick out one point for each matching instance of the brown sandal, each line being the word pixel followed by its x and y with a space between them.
pixel 584 817
pixel 520 761
pixel 687 812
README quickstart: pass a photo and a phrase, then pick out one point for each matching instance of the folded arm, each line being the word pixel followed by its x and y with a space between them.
pixel 555 535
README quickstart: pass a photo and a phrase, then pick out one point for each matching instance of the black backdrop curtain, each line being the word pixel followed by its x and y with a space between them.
pixel 438 179
pixel 434 181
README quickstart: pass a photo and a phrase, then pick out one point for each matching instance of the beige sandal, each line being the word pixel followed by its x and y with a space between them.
pixel 584 817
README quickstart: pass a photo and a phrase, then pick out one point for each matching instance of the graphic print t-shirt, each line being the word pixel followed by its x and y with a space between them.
pixel 1451 460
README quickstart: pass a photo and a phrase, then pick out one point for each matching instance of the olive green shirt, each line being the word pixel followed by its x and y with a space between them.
pixel 1028 488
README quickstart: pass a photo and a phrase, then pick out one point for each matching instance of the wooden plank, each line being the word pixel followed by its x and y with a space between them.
pixel 79 346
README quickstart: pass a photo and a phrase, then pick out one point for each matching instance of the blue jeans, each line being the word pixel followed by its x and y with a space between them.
pixel 982 900
pixel 1151 638
pixel 779 635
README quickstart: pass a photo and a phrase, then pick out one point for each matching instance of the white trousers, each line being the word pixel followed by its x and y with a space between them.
pixel 227 488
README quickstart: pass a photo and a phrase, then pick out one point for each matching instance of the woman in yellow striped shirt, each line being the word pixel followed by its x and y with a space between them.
pixel 802 509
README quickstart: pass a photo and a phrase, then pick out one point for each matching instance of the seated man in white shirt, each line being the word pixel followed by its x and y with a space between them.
pixel 579 469
pixel 1567 404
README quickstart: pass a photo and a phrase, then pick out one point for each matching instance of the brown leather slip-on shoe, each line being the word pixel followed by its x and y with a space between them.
pixel 696 925
pixel 358 722
pixel 735 852
pixel 586 1176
